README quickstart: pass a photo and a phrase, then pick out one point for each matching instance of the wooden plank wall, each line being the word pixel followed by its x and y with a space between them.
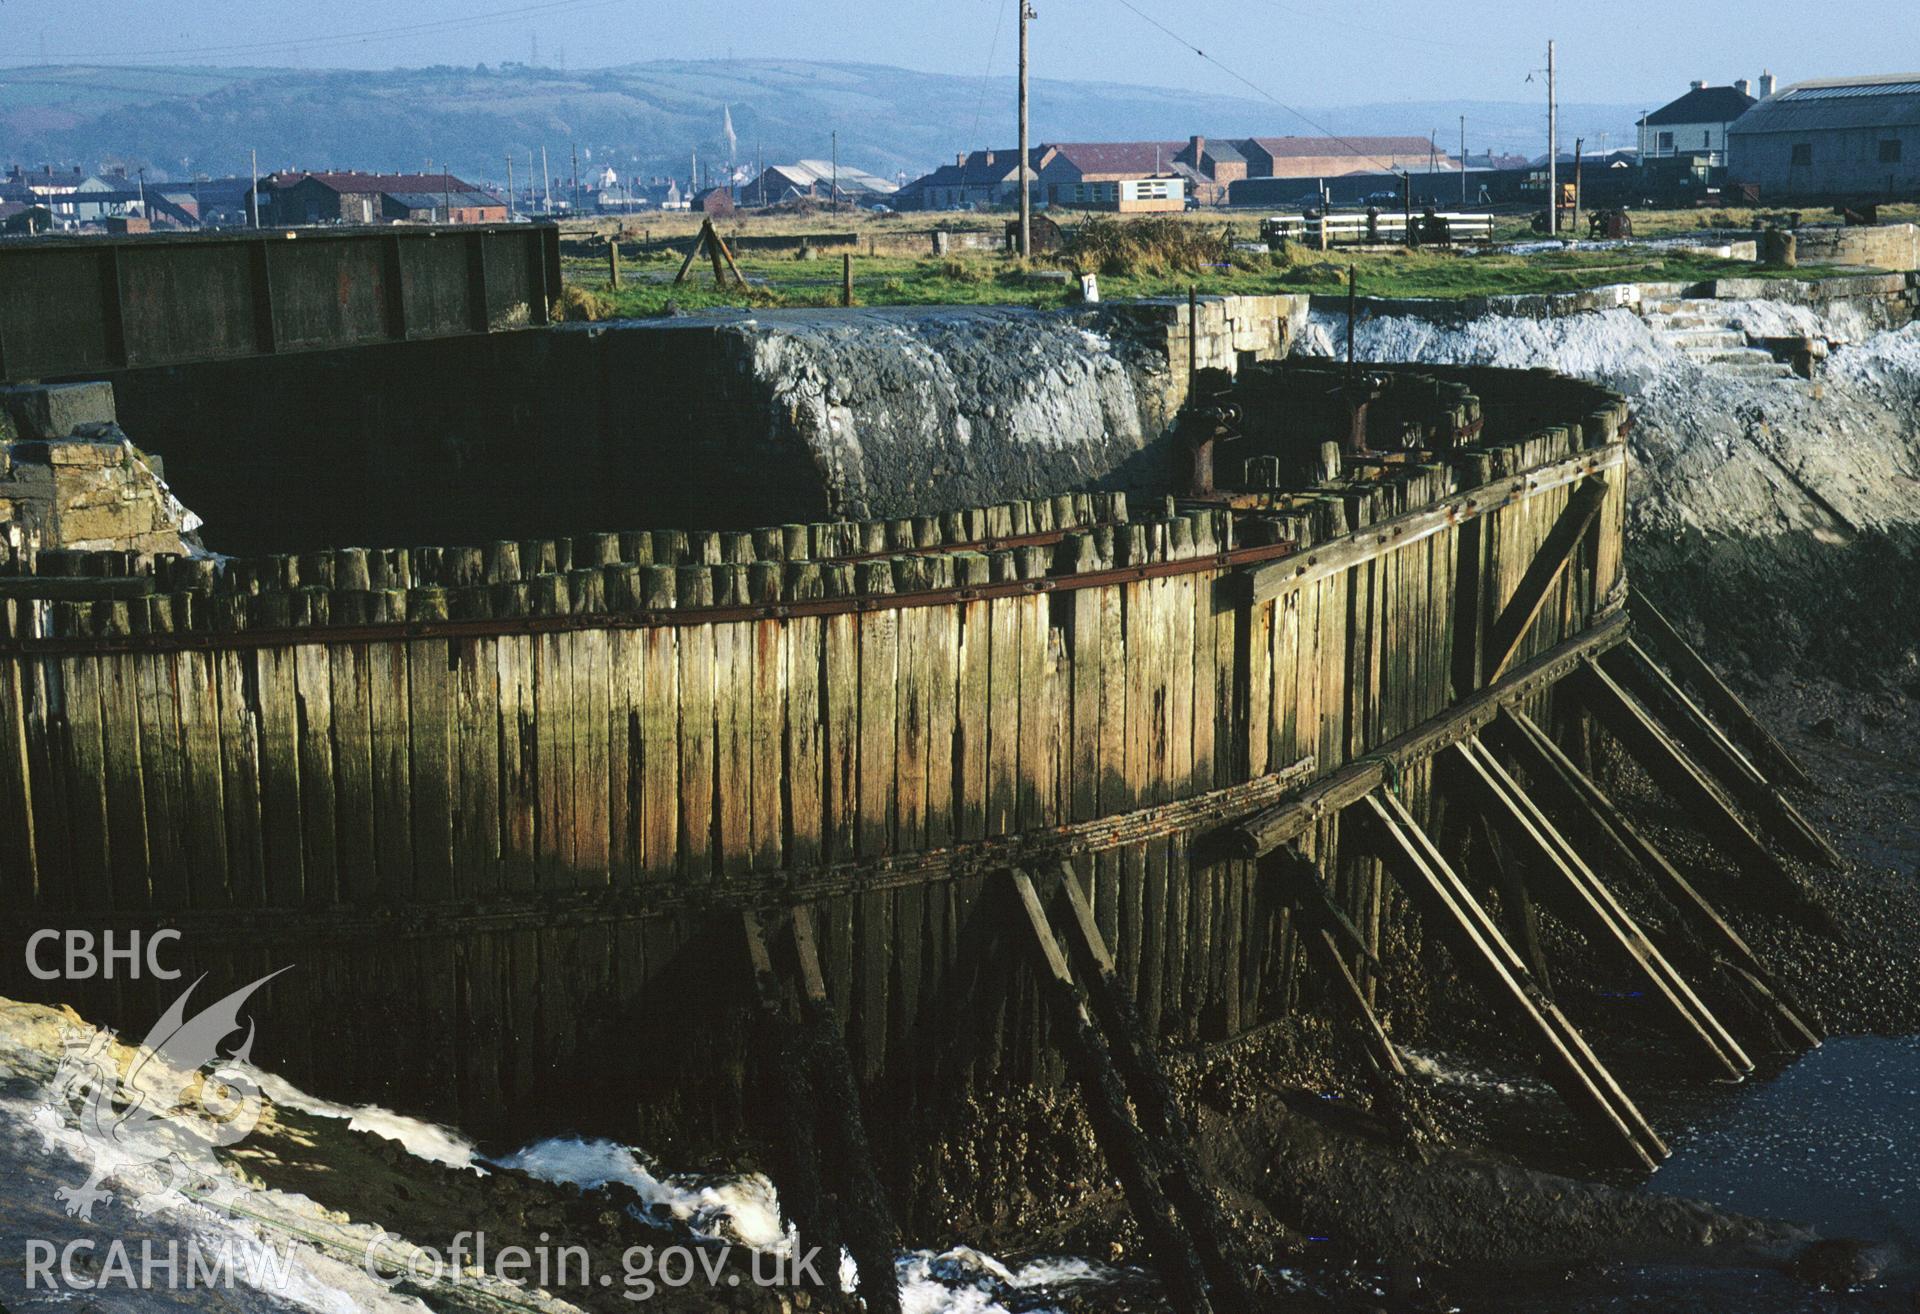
pixel 438 772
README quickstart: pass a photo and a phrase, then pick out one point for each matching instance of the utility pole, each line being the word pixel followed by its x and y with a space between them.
pixel 1553 148
pixel 509 184
pixel 1463 161
pixel 576 177
pixel 546 183
pixel 1027 15
pixel 833 194
pixel 1579 149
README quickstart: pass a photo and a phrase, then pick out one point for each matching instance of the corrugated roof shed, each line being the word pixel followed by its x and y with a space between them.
pixel 1336 147
pixel 1889 101
pixel 823 171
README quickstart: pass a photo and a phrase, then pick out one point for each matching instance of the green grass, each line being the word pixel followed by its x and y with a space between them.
pixel 984 279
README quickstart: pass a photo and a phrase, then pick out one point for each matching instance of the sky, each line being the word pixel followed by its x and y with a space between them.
pixel 1300 51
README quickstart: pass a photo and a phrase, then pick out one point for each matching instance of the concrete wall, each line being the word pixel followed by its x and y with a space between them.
pixel 1895 246
pixel 1888 299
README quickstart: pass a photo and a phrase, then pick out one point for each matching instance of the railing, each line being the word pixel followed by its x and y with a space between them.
pixel 1357 229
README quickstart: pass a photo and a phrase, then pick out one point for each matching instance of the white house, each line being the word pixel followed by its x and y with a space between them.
pixel 1695 125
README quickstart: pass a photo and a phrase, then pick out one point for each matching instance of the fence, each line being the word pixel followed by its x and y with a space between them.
pixel 1325 230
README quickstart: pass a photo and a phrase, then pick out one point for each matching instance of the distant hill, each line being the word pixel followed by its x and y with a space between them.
pixel 647 118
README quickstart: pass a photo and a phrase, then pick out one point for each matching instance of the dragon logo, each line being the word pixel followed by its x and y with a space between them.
pixel 152 1129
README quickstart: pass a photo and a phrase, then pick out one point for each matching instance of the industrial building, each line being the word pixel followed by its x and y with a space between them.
pixel 1841 138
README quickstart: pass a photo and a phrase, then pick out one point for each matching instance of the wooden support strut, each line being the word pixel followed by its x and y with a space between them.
pixel 1654 748
pixel 825 1072
pixel 803 1196
pixel 1523 739
pixel 1329 938
pixel 1482 952
pixel 709 241
pixel 1543 572
pixel 1140 1162
pixel 1600 912
pixel 1720 756
pixel 1655 628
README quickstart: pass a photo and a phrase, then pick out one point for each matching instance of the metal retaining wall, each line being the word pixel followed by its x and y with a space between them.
pixel 80 306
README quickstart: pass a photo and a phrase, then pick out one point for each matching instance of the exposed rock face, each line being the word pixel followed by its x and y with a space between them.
pixel 1778 514
pixel 925 411
pixel 70 479
pixel 921 410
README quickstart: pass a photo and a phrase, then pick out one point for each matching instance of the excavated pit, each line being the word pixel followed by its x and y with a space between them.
pixel 1773 520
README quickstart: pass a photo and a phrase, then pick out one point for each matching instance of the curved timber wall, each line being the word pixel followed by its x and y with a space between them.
pixel 552 762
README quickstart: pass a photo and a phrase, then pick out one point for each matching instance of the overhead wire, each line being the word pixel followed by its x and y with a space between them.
pixel 986 74
pixel 1257 89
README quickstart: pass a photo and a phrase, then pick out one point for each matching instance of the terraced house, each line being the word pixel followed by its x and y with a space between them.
pixel 348 197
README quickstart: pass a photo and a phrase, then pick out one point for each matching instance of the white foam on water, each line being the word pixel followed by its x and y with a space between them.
pixel 423 1140
pixel 743 1209
pixel 1448 1070
pixel 965 1281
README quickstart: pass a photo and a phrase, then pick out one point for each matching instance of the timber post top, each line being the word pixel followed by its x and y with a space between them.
pixel 1465 441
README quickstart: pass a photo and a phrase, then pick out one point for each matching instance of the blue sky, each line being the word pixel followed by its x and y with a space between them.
pixel 1304 52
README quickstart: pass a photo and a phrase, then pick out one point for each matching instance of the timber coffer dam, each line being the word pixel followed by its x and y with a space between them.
pixel 1049 780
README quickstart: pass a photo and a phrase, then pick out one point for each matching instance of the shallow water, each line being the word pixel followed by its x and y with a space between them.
pixel 1833 1141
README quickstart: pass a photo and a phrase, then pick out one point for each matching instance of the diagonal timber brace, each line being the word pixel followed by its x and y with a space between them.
pixel 1719 754
pixel 1654 628
pixel 1543 572
pixel 816 1068
pixel 1596 909
pixel 1649 742
pixel 1485 956
pixel 1329 938
pixel 1526 742
pixel 1266 830
pixel 1144 1136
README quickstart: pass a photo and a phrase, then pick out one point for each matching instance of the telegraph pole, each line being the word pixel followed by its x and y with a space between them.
pixel 1463 161
pixel 1553 148
pixel 509 184
pixel 1026 191
pixel 1579 149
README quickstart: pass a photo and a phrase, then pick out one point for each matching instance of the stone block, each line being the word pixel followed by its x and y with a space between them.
pixel 31 481
pixel 54 410
pixel 92 524
pixel 86 453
